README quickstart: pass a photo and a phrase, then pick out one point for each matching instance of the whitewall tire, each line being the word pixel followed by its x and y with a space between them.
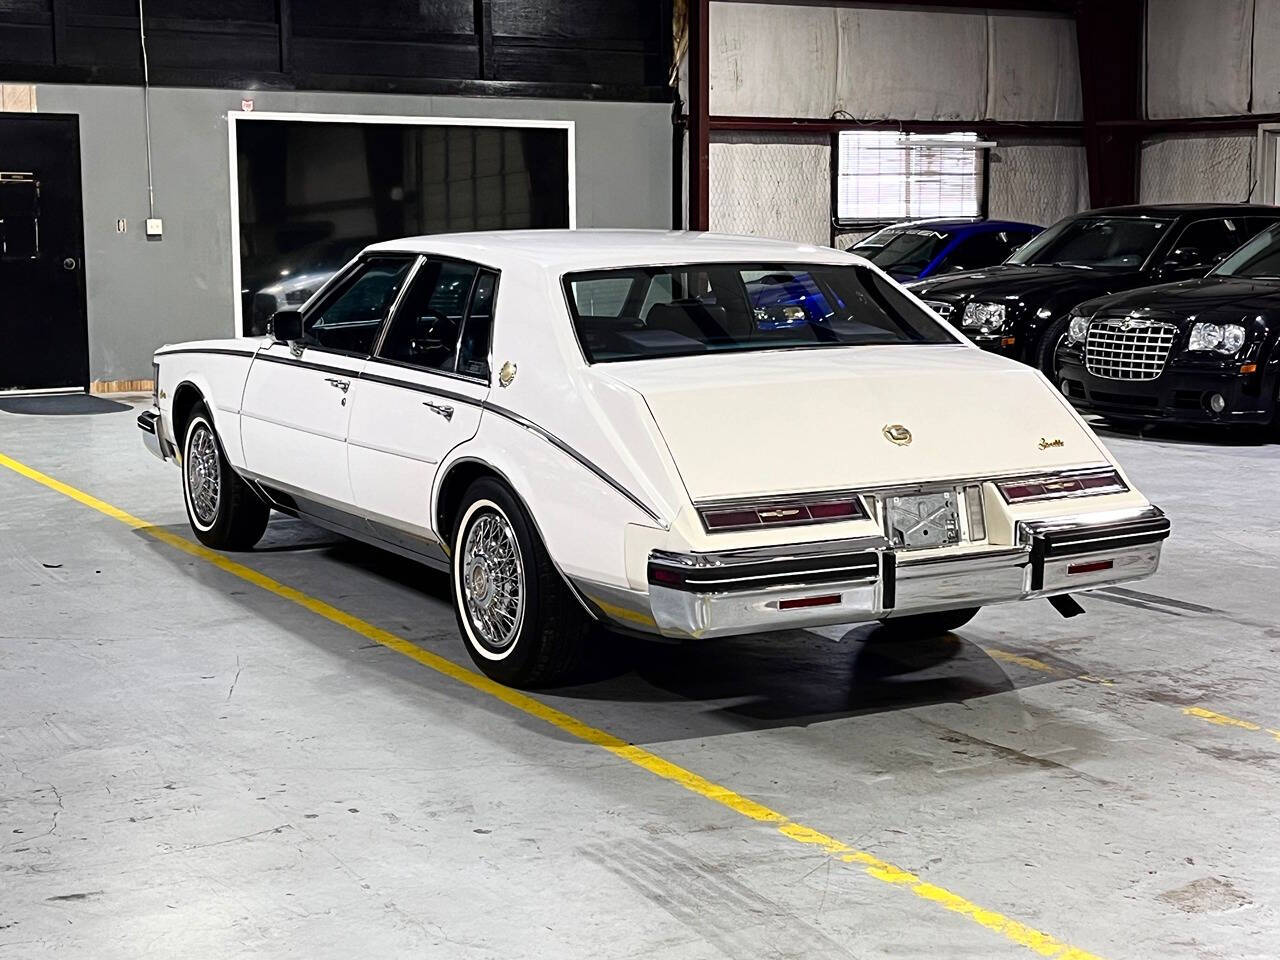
pixel 519 621
pixel 222 509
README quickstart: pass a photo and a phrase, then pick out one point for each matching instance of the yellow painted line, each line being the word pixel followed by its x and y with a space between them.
pixel 1019 933
pixel 1031 663
pixel 1222 720
pixel 1004 656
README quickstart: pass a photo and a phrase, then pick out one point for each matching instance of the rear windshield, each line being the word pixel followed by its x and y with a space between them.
pixel 644 312
pixel 902 251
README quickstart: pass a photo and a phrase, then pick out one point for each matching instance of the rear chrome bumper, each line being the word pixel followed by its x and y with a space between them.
pixel 847 581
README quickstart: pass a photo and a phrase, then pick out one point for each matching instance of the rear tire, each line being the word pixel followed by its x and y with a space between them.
pixel 923 626
pixel 521 625
pixel 222 509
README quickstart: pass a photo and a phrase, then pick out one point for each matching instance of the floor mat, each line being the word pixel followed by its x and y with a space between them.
pixel 61 405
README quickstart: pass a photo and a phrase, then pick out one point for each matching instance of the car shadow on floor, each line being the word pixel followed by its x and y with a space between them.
pixel 1221 435
pixel 641 690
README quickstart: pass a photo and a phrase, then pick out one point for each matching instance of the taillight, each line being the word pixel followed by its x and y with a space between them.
pixel 741 516
pixel 1057 486
pixel 155 384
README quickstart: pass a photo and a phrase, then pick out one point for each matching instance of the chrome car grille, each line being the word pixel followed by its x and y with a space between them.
pixel 1125 350
pixel 941 308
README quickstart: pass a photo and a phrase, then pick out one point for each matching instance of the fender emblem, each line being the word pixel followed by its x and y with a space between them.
pixel 1046 444
pixel 897 433
pixel 506 374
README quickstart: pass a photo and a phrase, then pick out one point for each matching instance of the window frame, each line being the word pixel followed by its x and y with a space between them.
pixel 341 283
pixel 422 259
pixel 850 225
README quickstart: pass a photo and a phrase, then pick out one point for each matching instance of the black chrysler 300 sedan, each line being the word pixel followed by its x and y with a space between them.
pixel 1020 308
pixel 1202 351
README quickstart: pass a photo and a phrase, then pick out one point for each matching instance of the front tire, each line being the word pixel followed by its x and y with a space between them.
pixel 521 625
pixel 223 511
pixel 1047 348
pixel 923 626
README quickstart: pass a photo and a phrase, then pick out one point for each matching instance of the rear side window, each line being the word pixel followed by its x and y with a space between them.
pixel 644 312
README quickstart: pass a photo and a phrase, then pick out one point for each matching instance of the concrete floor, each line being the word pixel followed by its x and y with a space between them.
pixel 193 767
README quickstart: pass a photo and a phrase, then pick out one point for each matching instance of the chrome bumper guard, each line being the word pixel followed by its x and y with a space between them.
pixel 149 424
pixel 847 581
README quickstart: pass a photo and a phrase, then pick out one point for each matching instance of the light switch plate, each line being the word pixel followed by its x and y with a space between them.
pixel 154 226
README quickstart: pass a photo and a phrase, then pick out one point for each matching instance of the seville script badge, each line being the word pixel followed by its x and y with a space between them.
pixel 1045 443
pixel 897 433
pixel 506 374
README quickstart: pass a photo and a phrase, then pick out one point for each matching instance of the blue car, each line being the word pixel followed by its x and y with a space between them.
pixel 916 249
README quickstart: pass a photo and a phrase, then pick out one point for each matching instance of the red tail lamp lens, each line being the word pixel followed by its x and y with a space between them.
pixel 835 510
pixel 1053 487
pixel 1091 566
pixel 722 519
pixel 824 601
pixel 782 514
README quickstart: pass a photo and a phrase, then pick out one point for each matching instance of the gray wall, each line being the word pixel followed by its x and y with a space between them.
pixel 143 294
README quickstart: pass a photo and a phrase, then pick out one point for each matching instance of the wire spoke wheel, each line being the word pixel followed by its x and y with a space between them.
pixel 204 474
pixel 493 584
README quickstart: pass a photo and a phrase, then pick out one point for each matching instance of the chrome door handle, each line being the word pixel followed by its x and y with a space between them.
pixel 443 409
pixel 343 385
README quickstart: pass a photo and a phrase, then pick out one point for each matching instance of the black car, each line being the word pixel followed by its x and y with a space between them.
pixel 1020 308
pixel 1201 351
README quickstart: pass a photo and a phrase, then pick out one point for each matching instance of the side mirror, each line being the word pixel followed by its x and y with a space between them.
pixel 285 326
pixel 1182 257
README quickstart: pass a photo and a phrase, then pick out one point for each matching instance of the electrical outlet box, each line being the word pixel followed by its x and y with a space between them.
pixel 154 228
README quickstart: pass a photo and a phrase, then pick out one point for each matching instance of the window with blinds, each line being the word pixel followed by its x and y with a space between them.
pixel 883 176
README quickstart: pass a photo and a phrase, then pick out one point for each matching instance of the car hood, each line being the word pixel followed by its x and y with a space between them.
pixel 1015 282
pixel 809 420
pixel 1192 298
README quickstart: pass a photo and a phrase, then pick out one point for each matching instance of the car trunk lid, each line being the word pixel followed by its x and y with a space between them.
pixel 820 419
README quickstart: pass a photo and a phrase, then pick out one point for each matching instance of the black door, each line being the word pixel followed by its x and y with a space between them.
pixel 42 309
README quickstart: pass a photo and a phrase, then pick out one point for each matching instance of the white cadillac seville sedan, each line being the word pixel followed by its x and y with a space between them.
pixel 683 435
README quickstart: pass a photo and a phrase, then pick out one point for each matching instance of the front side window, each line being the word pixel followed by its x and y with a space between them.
pixel 350 321
pixel 883 176
pixel 424 332
pixel 1258 259
pixel 688 309
pixel 1205 242
pixel 1091 242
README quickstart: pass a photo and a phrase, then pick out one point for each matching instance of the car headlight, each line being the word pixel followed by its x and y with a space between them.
pixel 1224 338
pixel 1079 329
pixel 987 316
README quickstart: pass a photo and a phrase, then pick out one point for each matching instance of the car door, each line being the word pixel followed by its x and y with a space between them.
pixel 420 396
pixel 298 397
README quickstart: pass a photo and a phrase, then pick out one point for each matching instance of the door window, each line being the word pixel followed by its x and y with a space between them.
pixel 349 323
pixel 426 329
pixel 1206 242
pixel 19 216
